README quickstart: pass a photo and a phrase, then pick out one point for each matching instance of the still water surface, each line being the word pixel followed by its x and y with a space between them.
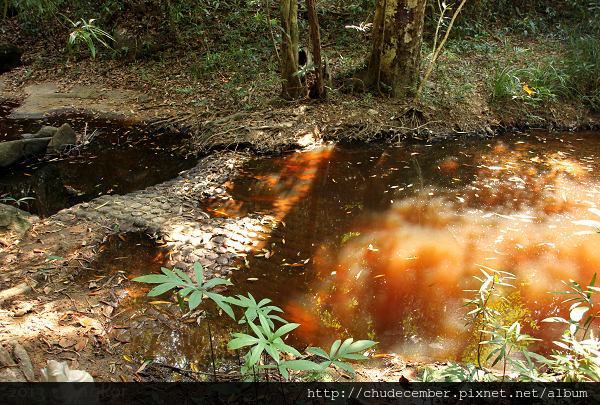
pixel 121 158
pixel 380 242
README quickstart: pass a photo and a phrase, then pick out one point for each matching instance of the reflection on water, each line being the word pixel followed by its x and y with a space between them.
pixel 394 235
pixel 380 242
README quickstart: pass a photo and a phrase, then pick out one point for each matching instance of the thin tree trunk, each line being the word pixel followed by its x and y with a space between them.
pixel 315 38
pixel 291 86
pixel 437 52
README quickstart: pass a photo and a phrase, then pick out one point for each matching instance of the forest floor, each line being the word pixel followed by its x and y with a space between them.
pixel 163 90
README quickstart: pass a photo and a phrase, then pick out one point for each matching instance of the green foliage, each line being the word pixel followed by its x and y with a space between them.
pixel 458 373
pixel 541 83
pixel 40 6
pixel 87 32
pixel 584 66
pixel 177 279
pixel 483 316
pixel 338 351
pixel 505 340
pixel 263 338
pixel 580 360
pixel 267 340
pixel 5 199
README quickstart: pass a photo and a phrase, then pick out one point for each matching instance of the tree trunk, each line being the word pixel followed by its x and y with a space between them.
pixel 395 59
pixel 291 87
pixel 315 39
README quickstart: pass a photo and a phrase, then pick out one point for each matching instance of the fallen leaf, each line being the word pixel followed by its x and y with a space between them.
pixel 81 344
pixel 65 342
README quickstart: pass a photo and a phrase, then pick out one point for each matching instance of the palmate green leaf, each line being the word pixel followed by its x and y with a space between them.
pixel 184 277
pixel 273 352
pixel 257 351
pixel 222 303
pixel 195 300
pixel 266 326
pixel 257 330
pixel 354 356
pixel 185 291
pixel 241 340
pixel 343 348
pixel 360 345
pixel 198 272
pixel 264 301
pixel 319 352
pixel 284 373
pixel 152 278
pixel 344 366
pixel 281 346
pixel 161 289
pixel 277 318
pixel 214 282
pixel 303 365
pixel 334 347
pixel 285 329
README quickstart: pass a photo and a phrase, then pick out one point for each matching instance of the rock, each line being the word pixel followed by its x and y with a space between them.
pixel 11 152
pixel 10 57
pixel 64 137
pixel 5 358
pixel 45 132
pixel 35 146
pixel 22 358
pixel 13 219
pixel 8 373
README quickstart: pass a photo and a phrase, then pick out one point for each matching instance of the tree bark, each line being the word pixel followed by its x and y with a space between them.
pixel 395 59
pixel 291 86
pixel 315 39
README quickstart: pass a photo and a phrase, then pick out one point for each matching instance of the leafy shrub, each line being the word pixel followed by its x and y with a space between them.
pixel 262 337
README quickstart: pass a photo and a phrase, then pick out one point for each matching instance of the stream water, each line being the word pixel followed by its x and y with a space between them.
pixel 381 241
pixel 121 158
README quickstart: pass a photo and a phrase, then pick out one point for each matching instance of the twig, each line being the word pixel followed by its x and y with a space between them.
pixel 72 301
pixel 437 53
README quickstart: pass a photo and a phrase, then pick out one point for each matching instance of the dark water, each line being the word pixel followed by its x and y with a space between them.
pixel 380 242
pixel 122 158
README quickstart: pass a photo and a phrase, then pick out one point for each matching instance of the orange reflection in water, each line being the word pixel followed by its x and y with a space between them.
pixel 401 279
pixel 278 190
